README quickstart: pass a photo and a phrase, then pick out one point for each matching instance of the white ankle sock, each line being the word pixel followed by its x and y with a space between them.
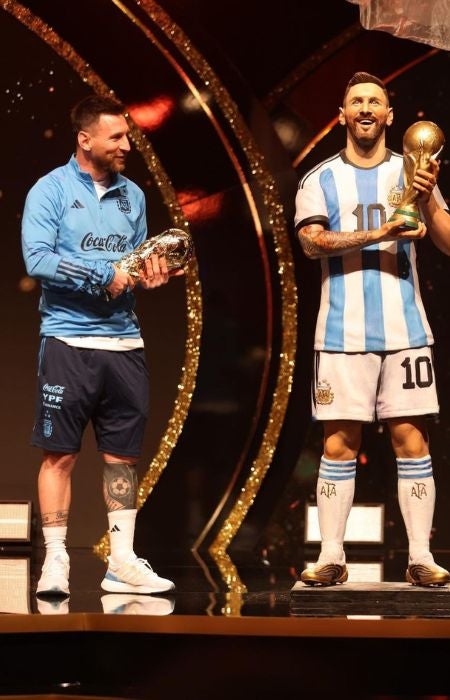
pixel 55 540
pixel 121 534
pixel 416 496
pixel 335 491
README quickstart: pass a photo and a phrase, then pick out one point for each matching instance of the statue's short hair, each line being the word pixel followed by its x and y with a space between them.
pixel 362 77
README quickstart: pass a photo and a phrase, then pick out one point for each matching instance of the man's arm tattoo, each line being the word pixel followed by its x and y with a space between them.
pixel 119 486
pixel 321 243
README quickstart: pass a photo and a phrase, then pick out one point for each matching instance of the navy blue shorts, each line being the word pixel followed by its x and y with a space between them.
pixel 76 385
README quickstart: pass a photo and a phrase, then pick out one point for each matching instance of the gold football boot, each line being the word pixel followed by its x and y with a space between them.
pixel 427 575
pixel 324 575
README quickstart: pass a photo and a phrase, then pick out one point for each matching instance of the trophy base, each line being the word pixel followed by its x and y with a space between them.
pixel 410 217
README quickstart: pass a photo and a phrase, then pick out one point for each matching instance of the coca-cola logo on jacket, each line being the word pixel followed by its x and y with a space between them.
pixel 114 243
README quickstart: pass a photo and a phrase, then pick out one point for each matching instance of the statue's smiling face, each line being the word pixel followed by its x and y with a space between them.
pixel 366 113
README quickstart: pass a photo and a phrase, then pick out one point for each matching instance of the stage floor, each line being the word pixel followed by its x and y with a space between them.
pixel 272 594
pixel 276 639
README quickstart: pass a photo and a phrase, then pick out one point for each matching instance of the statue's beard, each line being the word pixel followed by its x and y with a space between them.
pixel 366 143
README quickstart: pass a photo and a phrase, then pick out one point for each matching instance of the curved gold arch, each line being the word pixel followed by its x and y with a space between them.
pixel 286 278
pixel 171 30
pixel 193 291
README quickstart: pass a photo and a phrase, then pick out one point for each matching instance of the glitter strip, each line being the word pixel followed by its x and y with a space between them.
pixel 172 31
pixel 286 281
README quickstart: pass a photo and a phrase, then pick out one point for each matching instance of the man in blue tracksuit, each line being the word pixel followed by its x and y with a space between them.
pixel 78 221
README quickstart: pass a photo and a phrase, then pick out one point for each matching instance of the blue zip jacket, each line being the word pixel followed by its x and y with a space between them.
pixel 70 239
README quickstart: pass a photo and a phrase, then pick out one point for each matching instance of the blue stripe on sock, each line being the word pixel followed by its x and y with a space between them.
pixel 330 463
pixel 416 475
pixel 413 467
pixel 337 471
pixel 408 468
pixel 336 477
pixel 414 462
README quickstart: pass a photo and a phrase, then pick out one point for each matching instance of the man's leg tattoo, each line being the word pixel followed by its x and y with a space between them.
pixel 120 486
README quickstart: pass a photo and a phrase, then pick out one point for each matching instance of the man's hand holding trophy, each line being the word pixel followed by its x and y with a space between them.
pixel 174 245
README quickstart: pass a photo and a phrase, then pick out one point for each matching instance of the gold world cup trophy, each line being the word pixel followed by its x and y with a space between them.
pixel 176 246
pixel 421 142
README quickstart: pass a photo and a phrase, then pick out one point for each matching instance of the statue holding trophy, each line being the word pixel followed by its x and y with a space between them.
pixel 372 339
pixel 422 141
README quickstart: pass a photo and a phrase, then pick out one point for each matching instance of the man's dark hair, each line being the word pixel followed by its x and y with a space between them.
pixel 362 77
pixel 89 110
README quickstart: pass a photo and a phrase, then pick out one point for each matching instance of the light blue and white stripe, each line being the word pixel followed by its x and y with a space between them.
pixel 414 468
pixel 337 471
pixel 370 297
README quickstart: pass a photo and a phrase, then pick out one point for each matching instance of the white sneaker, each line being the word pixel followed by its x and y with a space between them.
pixel 126 604
pixel 134 576
pixel 54 579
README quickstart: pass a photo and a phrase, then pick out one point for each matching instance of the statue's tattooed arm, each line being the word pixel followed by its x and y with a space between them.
pixel 317 242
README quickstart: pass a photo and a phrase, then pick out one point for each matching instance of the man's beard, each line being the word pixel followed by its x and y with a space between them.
pixel 112 166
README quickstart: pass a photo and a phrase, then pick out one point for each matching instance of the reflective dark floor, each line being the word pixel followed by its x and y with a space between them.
pixel 267 637
pixel 376 588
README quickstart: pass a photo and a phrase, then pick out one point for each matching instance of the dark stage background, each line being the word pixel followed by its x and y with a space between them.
pixel 230 97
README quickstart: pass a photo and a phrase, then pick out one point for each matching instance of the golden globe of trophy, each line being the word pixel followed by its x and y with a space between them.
pixel 421 142
pixel 176 246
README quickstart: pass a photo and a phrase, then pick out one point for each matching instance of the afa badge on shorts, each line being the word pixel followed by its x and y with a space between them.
pixel 47 427
pixel 324 395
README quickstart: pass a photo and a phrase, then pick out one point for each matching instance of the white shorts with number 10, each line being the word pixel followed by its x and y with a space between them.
pixel 365 386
